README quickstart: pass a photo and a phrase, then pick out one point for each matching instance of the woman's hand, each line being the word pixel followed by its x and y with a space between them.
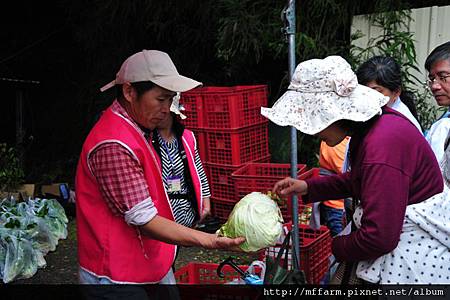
pixel 206 209
pixel 290 186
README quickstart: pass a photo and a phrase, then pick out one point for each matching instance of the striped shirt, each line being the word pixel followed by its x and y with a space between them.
pixel 172 165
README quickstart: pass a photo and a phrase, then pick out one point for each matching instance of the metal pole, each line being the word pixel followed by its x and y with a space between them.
pixel 289 15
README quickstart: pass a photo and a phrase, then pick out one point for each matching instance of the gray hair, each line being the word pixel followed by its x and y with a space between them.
pixel 441 52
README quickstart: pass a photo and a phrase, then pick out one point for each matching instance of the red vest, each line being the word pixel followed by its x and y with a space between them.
pixel 107 245
pixel 190 145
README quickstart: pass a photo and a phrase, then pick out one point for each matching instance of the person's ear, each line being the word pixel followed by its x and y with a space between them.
pixel 128 91
pixel 397 93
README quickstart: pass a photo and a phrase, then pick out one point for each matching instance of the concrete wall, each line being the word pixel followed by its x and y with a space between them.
pixel 430 27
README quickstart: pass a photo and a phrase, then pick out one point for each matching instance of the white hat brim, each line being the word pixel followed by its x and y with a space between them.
pixel 176 83
pixel 311 113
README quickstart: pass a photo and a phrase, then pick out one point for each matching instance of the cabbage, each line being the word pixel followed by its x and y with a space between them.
pixel 257 218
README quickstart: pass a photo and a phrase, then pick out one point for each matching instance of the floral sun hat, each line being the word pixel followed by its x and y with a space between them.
pixel 176 107
pixel 323 91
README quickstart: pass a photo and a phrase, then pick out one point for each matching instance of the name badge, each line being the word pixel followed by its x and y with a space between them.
pixel 173 184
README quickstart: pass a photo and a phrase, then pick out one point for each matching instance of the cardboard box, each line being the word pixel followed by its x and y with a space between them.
pixel 4 195
pixel 23 192
pixel 56 190
pixel 27 190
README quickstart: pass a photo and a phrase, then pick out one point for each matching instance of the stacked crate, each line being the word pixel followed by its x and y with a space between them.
pixel 261 177
pixel 230 131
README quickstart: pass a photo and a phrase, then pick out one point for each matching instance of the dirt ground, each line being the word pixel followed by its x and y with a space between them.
pixel 62 264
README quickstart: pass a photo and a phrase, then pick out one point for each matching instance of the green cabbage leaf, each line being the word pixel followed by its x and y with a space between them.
pixel 257 218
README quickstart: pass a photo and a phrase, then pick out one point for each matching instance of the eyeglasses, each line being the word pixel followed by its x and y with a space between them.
pixel 439 79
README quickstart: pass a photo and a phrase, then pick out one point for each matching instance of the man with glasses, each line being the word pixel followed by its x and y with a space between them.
pixel 438 67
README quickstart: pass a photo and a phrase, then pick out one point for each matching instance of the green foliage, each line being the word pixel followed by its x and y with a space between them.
pixel 398 42
pixel 11 172
pixel 247 26
pixel 12 223
pixel 43 211
pixel 250 31
pixel 280 145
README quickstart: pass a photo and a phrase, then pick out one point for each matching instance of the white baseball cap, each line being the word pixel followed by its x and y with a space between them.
pixel 155 66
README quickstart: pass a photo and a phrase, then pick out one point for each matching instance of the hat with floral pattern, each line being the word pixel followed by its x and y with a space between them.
pixel 321 92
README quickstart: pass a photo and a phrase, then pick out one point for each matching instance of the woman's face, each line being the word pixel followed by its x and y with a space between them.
pixel 166 123
pixel 385 91
pixel 332 135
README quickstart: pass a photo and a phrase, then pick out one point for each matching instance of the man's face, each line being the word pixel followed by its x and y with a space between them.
pixel 440 86
pixel 152 107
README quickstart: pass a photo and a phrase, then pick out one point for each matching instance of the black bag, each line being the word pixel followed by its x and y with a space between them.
pixel 277 274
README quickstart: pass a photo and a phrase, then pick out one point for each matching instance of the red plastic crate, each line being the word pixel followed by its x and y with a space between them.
pixel 315 250
pixel 221 209
pixel 194 278
pixel 237 146
pixel 261 177
pixel 223 205
pixel 206 273
pixel 238 107
pixel 193 109
pixel 224 107
pixel 220 180
pixel 222 189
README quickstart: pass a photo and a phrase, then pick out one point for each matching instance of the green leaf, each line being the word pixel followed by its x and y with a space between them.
pixel 43 211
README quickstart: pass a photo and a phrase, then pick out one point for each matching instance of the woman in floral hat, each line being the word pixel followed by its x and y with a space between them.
pixel 390 169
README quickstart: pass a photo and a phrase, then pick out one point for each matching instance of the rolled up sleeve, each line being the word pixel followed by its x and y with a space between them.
pixel 141 213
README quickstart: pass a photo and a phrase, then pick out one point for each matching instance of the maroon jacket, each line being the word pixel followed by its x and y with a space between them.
pixel 392 166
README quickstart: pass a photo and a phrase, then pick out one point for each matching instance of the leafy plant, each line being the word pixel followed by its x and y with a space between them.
pixel 11 172
pixel 12 223
pixel 43 211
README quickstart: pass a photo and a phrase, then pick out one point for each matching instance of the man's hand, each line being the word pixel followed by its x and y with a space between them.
pixel 168 231
pixel 213 241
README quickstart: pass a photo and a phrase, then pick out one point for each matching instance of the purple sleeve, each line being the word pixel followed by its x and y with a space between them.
pixel 384 196
pixel 328 188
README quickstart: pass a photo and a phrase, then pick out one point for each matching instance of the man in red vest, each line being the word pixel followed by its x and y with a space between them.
pixel 126 228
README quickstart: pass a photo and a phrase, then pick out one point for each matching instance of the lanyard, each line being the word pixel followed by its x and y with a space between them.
pixel 166 149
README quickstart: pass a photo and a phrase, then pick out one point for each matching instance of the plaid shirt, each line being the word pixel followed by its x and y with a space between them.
pixel 121 177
